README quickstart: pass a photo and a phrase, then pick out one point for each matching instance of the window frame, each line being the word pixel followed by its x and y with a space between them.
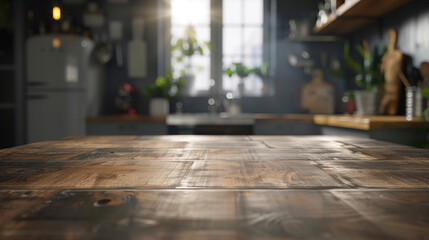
pixel 216 39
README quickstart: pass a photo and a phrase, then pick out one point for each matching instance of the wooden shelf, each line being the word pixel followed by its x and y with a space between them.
pixel 356 14
pixel 316 38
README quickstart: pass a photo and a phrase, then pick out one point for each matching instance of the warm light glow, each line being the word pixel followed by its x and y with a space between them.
pixel 56 43
pixel 56 13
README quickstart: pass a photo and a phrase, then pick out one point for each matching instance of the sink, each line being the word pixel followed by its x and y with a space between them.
pixel 195 119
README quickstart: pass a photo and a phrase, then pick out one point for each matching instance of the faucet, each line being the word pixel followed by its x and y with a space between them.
pixel 215 101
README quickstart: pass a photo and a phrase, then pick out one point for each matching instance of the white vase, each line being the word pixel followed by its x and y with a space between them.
pixel 241 88
pixel 366 103
pixel 159 107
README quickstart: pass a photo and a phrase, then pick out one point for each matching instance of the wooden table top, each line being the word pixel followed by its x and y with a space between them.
pixel 369 122
pixel 214 187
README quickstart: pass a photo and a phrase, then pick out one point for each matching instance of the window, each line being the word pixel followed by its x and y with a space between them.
pixel 242 35
pixel 193 14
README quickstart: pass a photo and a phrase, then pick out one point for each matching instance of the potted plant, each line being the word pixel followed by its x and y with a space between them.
pixel 242 72
pixel 265 74
pixel 160 92
pixel 367 76
pixel 349 101
pixel 183 50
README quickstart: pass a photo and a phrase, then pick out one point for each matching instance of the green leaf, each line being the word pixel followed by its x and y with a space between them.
pixel 208 45
pixel 360 49
pixel 200 50
pixel 425 92
pixel 352 64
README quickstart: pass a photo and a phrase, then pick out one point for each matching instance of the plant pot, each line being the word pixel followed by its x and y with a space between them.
pixel 159 107
pixel 232 106
pixel 366 103
pixel 349 103
pixel 189 81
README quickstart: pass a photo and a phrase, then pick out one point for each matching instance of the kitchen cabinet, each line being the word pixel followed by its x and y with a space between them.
pixel 126 125
pixel 394 129
pixel 355 14
pixel 287 124
pixel 11 74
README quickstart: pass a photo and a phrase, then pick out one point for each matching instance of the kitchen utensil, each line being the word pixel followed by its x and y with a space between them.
pixel 413 102
pixel 103 52
pixel 137 51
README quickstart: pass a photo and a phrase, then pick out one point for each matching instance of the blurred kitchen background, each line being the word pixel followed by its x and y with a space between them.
pixel 77 67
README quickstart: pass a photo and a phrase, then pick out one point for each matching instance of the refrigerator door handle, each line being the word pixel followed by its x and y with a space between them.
pixel 37 97
pixel 36 84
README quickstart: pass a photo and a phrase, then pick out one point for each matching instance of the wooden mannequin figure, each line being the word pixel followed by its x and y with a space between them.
pixel 391 66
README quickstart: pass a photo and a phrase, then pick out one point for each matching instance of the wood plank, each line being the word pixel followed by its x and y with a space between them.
pixel 190 214
pixel 369 122
pixel 15 203
pixel 227 144
pixel 257 174
pixel 394 154
pixel 304 144
pixel 195 138
pixel 112 144
pixel 42 153
pixel 312 154
pixel 283 118
pixel 403 214
pixel 92 174
pixel 356 14
pixel 143 154
pixel 381 174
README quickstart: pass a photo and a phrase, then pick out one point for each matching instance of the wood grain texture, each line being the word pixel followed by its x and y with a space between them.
pixel 92 174
pixel 142 154
pixel 207 214
pixel 42 153
pixel 403 214
pixel 381 174
pixel 257 174
pixel 369 122
pixel 214 187
pixel 313 154
pixel 356 14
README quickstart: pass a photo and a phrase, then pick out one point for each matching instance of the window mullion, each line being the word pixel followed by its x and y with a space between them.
pixel 216 44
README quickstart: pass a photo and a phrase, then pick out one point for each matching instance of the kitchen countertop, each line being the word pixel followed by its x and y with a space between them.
pixel 369 122
pixel 308 118
pixel 125 118
pixel 214 187
pixel 251 118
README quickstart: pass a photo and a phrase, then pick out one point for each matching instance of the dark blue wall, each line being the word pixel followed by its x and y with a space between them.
pixel 412 25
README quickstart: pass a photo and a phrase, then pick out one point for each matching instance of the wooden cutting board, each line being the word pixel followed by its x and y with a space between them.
pixel 317 96
pixel 391 66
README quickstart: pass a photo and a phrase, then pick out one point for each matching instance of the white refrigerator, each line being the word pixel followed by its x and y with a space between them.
pixel 64 86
